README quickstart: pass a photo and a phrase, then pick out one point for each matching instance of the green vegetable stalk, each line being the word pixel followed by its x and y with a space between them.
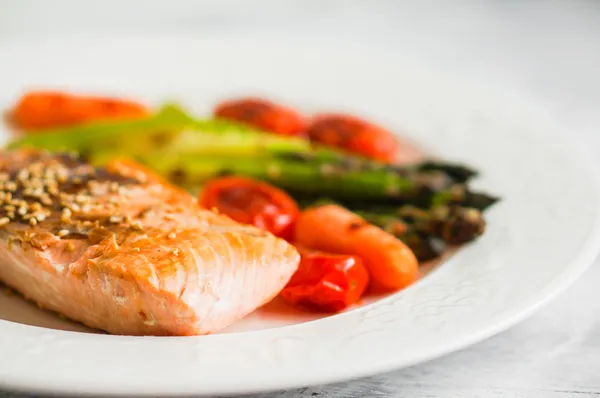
pixel 170 129
pixel 188 152
pixel 191 170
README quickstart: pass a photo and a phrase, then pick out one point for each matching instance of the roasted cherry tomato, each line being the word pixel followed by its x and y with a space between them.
pixel 252 202
pixel 354 135
pixel 262 114
pixel 326 282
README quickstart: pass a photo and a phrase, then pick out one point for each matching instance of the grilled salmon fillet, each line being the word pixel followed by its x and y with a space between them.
pixel 118 249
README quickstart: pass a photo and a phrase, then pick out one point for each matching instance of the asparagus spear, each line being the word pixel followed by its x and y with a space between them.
pixel 460 173
pixel 174 130
pixel 190 151
pixel 425 247
pixel 155 130
pixel 428 232
pixel 455 225
pixel 312 176
pixel 422 196
pixel 189 171
pixel 170 129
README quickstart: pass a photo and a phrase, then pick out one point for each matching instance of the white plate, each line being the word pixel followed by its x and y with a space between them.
pixel 540 237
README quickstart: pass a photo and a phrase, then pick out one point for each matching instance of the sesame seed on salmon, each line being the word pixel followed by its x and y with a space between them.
pixel 119 249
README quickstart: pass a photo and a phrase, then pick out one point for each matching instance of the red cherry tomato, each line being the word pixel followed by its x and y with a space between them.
pixel 252 202
pixel 326 282
pixel 262 114
pixel 354 135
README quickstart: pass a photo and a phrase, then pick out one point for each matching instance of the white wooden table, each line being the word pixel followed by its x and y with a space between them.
pixel 548 50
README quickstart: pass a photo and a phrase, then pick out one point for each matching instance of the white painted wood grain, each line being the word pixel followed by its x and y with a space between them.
pixel 550 50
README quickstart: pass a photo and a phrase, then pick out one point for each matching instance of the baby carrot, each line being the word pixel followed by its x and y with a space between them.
pixel 38 110
pixel 391 264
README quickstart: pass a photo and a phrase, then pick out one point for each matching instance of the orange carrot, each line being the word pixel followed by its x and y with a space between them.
pixel 38 110
pixel 332 228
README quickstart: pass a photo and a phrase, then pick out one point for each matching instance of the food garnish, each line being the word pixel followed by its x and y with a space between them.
pixel 354 135
pixel 262 114
pixel 326 182
pixel 252 202
pixel 40 110
pixel 332 228
pixel 326 282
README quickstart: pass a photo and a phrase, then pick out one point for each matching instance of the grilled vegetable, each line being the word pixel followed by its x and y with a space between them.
pixel 189 152
pixel 354 135
pixel 326 282
pixel 391 264
pixel 123 136
pixel 426 231
pixel 252 202
pixel 262 114
pixel 49 109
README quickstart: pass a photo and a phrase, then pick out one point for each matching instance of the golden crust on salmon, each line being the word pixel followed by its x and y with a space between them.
pixel 119 249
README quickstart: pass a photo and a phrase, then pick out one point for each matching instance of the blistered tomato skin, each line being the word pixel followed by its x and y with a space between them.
pixel 252 202
pixel 264 115
pixel 354 135
pixel 326 282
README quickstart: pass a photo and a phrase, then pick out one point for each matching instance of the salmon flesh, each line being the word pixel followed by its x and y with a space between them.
pixel 118 249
